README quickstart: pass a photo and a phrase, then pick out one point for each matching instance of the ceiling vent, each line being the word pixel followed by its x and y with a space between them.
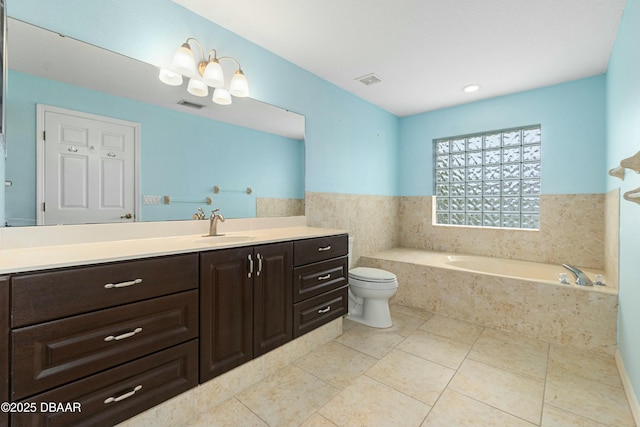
pixel 190 104
pixel 369 79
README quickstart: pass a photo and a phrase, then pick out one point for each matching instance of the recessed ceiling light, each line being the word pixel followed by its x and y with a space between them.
pixel 471 88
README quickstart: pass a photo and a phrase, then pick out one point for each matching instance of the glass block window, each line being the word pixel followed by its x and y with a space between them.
pixel 490 179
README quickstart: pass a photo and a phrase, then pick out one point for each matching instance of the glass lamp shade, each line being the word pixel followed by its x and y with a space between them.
pixel 213 75
pixel 221 96
pixel 184 61
pixel 197 88
pixel 170 78
pixel 239 85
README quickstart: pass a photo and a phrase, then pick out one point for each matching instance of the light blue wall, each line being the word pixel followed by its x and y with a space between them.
pixel 623 140
pixel 2 189
pixel 351 145
pixel 183 156
pixel 572 116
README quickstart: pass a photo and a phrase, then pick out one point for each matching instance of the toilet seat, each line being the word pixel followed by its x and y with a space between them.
pixel 372 274
pixel 372 278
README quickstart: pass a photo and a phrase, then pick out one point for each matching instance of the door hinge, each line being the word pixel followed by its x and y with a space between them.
pixel 44 135
pixel 44 207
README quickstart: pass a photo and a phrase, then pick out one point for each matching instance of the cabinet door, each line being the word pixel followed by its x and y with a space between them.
pixel 4 347
pixel 226 310
pixel 272 295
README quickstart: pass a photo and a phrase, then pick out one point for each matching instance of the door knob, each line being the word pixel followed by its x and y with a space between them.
pixel 127 216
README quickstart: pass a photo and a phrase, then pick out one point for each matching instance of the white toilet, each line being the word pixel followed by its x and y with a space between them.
pixel 369 293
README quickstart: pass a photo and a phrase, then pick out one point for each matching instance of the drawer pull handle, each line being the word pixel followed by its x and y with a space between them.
pixel 324 310
pixel 326 248
pixel 328 276
pixel 124 396
pixel 122 284
pixel 123 336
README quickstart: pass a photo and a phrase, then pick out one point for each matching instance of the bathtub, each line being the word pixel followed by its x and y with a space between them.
pixel 519 296
pixel 523 270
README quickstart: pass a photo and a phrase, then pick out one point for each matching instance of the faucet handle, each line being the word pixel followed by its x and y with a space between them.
pixel 199 215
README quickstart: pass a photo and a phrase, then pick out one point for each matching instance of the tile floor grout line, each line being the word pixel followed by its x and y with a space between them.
pixel 405 327
pixel 471 397
pixel 546 378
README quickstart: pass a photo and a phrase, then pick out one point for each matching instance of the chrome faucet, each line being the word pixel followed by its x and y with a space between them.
pixel 581 278
pixel 213 222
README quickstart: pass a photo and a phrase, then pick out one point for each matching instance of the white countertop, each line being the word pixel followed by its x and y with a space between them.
pixel 14 260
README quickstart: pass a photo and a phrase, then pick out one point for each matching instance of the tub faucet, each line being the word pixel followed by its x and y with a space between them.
pixel 213 222
pixel 581 278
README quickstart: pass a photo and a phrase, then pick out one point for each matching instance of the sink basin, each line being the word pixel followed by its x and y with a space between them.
pixel 225 239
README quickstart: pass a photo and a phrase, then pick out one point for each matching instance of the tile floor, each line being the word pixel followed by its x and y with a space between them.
pixel 429 370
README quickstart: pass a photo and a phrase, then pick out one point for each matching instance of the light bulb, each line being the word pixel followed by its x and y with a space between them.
pixel 197 88
pixel 184 61
pixel 213 74
pixel 239 85
pixel 221 96
pixel 170 78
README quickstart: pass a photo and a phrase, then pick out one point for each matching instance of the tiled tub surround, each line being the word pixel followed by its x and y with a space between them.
pixel 579 229
pixel 274 207
pixel 572 230
pixel 371 220
pixel 565 314
pixel 612 234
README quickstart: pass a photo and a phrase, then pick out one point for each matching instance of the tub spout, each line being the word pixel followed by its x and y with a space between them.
pixel 581 278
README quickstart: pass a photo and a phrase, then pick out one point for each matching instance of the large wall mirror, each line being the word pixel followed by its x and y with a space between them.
pixel 246 158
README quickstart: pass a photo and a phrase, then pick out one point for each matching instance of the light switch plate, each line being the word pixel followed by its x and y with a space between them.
pixel 150 200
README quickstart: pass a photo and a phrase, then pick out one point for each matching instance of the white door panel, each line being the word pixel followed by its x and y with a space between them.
pixel 71 185
pixel 89 168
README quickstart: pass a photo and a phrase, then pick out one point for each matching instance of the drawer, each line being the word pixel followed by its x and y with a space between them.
pixel 315 279
pixel 319 249
pixel 56 352
pixel 108 398
pixel 316 311
pixel 49 295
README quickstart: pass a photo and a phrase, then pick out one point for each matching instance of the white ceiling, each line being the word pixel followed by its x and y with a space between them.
pixel 425 51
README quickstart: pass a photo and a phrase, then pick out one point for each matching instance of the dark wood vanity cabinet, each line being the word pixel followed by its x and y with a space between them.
pixel 320 282
pixel 4 347
pixel 245 305
pixel 117 338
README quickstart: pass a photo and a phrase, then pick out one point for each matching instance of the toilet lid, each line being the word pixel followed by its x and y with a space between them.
pixel 368 274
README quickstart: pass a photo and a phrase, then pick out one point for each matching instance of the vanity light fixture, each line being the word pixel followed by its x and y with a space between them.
pixel 471 88
pixel 204 73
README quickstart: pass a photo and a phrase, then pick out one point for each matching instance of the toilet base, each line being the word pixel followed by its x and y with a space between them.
pixel 372 312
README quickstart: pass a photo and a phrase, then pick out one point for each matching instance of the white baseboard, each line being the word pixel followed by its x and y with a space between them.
pixel 628 389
